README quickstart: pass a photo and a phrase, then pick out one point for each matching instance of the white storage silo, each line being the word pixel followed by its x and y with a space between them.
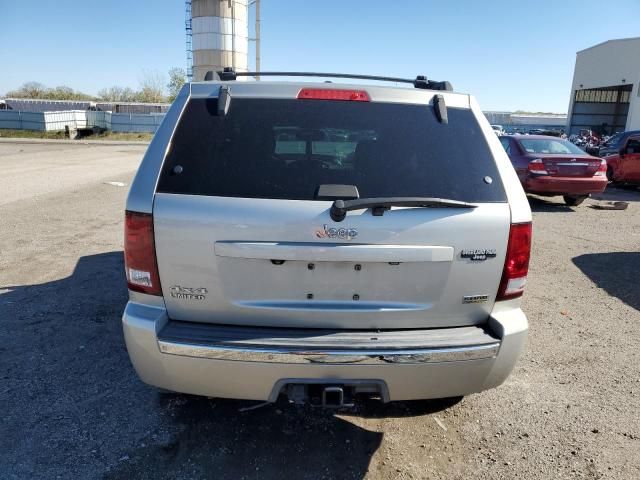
pixel 220 35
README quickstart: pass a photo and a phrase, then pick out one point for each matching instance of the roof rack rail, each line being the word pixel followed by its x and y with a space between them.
pixel 228 74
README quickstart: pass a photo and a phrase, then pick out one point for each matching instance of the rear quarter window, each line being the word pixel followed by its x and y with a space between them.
pixel 286 149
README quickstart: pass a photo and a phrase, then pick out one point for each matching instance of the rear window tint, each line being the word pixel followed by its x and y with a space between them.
pixel 286 149
pixel 550 145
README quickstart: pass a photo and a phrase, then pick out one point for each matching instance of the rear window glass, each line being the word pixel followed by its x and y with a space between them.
pixel 539 145
pixel 286 149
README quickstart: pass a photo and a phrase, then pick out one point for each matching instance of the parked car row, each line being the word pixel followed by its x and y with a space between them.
pixel 500 130
pixel 553 166
pixel 622 155
pixel 588 141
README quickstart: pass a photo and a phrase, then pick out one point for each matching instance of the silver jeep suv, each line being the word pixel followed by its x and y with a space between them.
pixel 322 240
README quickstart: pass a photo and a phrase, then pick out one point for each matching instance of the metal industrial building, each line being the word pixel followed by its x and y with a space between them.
pixel 604 95
pixel 524 122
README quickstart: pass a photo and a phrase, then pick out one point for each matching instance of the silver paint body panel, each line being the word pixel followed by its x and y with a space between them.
pixel 411 276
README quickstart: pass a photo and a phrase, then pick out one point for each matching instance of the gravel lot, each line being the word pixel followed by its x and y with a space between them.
pixel 72 406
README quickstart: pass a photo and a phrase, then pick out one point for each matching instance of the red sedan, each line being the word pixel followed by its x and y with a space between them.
pixel 552 166
pixel 624 166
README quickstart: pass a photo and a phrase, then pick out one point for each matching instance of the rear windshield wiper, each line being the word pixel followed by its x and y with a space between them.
pixel 378 206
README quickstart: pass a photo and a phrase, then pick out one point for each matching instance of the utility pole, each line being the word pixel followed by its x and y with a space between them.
pixel 232 5
pixel 258 39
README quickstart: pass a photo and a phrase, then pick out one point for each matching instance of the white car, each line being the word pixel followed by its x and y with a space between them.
pixel 321 241
pixel 498 129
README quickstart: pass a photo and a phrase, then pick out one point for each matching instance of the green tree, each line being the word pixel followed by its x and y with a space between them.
pixel 29 90
pixel 117 94
pixel 67 93
pixel 177 78
pixel 151 88
pixel 37 90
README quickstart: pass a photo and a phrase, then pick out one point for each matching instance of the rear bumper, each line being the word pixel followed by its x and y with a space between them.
pixel 548 185
pixel 326 347
pixel 257 373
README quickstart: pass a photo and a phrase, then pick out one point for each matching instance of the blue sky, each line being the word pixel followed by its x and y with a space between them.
pixel 510 54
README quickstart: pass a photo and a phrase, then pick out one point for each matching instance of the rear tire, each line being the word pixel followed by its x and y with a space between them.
pixel 610 175
pixel 574 200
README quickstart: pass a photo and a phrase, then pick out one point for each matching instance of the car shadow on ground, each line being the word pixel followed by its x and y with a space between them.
pixel 615 272
pixel 539 204
pixel 74 407
pixel 611 194
pixel 219 438
pixel 619 194
pixel 214 438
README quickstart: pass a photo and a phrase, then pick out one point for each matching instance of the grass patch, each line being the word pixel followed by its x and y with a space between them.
pixel 106 135
pixel 129 136
pixel 31 134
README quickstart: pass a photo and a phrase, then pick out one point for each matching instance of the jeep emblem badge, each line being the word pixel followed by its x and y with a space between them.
pixel 339 232
pixel 187 293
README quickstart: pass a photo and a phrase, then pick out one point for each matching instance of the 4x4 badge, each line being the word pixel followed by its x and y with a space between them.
pixel 341 232
pixel 478 254
pixel 475 298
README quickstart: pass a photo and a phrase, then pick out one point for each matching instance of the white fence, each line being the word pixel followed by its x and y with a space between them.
pixel 43 121
pixel 99 119
pixel 54 121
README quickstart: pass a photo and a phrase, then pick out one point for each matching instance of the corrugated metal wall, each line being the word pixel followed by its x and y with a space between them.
pixel 16 120
pixel 508 118
pixel 35 105
pixel 130 122
pixel 42 121
pixel 99 119
pixel 54 121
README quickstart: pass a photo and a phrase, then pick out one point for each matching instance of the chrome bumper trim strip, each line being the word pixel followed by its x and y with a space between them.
pixel 360 357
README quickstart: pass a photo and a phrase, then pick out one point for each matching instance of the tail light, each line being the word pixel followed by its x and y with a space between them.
pixel 602 169
pixel 516 264
pixel 537 166
pixel 140 254
pixel 333 94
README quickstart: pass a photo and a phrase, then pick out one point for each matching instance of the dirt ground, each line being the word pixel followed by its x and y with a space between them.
pixel 61 135
pixel 71 405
